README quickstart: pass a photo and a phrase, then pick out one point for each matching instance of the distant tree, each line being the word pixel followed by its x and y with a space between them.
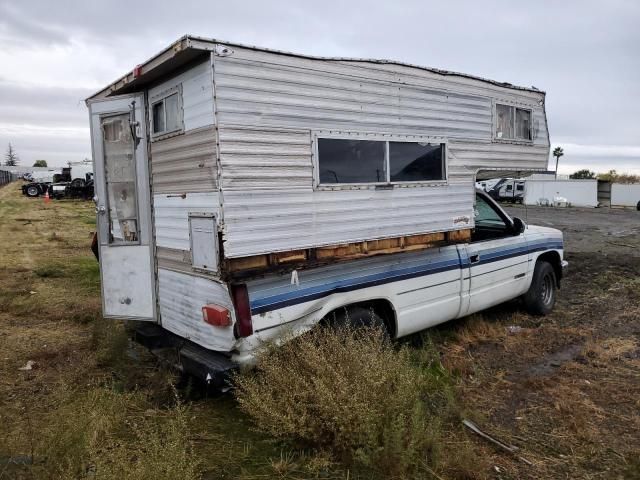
pixel 628 178
pixel 558 152
pixel 584 174
pixel 610 176
pixel 40 163
pixel 11 158
pixel 614 177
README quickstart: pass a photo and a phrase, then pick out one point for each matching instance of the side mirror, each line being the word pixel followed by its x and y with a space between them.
pixel 518 226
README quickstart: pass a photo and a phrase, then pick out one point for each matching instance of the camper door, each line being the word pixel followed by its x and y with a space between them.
pixel 123 207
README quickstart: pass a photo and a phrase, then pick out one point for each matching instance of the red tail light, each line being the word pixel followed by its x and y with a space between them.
pixel 244 326
pixel 216 315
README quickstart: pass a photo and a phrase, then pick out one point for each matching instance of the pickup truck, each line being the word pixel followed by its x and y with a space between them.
pixel 400 293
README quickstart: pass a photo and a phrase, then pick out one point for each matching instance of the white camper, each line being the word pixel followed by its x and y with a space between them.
pixel 243 191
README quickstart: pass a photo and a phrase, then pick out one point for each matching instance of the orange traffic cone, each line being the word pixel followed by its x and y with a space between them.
pixel 46 197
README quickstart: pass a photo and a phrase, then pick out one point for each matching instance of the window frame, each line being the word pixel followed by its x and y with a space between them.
pixel 387 184
pixel 161 98
pixel 514 106
pixel 105 182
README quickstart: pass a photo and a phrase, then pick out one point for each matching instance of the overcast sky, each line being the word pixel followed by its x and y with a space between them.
pixel 584 54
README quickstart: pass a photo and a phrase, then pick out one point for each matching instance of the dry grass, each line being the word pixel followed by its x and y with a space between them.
pixel 355 396
pixel 564 389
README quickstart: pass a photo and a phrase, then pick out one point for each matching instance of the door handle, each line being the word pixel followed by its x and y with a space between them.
pixel 474 258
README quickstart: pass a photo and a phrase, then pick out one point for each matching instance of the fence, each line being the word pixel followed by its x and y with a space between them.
pixel 7 177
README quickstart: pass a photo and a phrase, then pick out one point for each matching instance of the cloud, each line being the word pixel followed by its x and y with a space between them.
pixel 582 53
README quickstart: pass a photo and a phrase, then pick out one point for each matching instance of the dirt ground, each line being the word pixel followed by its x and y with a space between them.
pixel 564 389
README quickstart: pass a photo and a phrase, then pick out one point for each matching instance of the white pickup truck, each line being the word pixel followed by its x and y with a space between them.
pixel 402 293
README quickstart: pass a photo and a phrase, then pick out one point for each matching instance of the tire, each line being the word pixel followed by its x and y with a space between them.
pixel 77 183
pixel 33 191
pixel 357 317
pixel 638 206
pixel 541 297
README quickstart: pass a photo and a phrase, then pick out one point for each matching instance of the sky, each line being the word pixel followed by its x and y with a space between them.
pixel 584 54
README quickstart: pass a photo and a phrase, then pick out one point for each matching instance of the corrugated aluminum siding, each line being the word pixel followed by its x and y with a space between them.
pixel 268 106
pixel 172 216
pixel 174 259
pixel 181 298
pixel 197 95
pixel 185 163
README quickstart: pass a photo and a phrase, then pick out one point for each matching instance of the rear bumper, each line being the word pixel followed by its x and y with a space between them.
pixel 214 368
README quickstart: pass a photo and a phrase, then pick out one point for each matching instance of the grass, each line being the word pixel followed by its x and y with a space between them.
pixel 93 405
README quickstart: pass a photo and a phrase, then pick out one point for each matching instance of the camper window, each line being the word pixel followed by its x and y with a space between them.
pixel 512 123
pixel 166 113
pixel 416 162
pixel 346 161
pixel 351 161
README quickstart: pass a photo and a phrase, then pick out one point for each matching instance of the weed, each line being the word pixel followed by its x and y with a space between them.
pixel 102 434
pixel 49 271
pixel 351 393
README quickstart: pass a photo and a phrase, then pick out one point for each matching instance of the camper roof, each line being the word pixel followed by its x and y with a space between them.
pixel 188 48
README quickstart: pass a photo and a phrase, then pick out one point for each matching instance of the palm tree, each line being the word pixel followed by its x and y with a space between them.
pixel 557 152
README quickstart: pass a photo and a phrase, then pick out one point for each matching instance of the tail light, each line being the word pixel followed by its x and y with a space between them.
pixel 216 315
pixel 240 295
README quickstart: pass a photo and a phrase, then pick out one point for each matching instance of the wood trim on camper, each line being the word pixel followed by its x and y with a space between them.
pixel 258 264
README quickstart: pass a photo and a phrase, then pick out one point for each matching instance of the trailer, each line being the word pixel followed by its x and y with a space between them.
pixel 625 195
pixel 578 193
pixel 242 191
pixel 508 190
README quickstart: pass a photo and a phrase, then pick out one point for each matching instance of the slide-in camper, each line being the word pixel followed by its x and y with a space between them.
pixel 243 192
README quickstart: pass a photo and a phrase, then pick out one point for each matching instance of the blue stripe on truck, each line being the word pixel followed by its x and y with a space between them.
pixel 301 295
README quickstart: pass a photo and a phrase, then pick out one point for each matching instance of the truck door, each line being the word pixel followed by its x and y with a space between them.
pixel 122 195
pixel 498 260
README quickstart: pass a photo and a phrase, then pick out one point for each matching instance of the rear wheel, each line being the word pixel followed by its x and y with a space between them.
pixel 32 191
pixel 357 317
pixel 541 297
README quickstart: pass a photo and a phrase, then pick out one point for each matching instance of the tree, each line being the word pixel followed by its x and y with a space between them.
pixel 557 152
pixel 610 176
pixel 584 174
pixel 40 163
pixel 11 157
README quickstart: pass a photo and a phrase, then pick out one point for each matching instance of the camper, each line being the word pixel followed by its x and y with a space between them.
pixel 245 195
pixel 508 190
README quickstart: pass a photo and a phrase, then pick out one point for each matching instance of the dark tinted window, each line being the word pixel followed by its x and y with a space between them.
pixel 158 117
pixel 415 162
pixel 351 161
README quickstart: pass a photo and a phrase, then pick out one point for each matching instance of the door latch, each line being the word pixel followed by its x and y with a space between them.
pixel 101 209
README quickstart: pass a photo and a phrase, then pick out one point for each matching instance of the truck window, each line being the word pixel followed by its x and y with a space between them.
pixel 489 223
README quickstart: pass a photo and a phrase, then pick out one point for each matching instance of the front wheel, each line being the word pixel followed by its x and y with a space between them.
pixel 32 191
pixel 541 297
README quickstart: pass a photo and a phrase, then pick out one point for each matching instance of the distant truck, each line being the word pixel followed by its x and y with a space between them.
pixel 508 190
pixel 39 182
pixel 75 181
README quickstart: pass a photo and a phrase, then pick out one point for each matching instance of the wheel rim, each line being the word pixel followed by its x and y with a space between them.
pixel 547 290
pixel 32 191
